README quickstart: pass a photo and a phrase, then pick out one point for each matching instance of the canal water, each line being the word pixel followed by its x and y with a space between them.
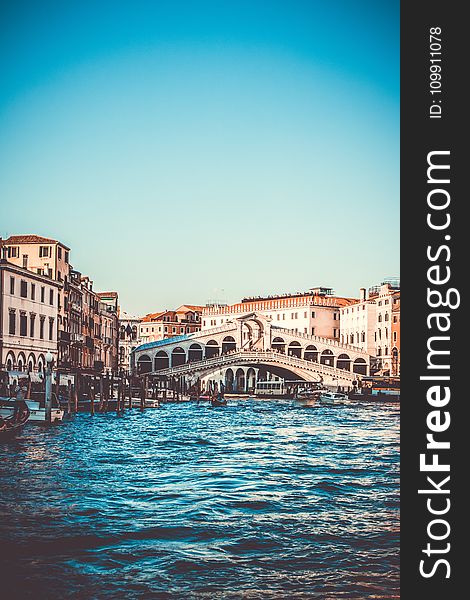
pixel 259 499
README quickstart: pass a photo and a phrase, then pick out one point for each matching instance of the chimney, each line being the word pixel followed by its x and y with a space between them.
pixel 362 293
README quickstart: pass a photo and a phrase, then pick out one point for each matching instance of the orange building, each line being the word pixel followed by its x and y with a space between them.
pixel 170 323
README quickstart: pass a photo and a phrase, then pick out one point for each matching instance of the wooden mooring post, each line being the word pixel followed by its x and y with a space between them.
pixel 91 389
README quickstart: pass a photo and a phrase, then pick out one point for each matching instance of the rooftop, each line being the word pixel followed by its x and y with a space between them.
pixel 31 238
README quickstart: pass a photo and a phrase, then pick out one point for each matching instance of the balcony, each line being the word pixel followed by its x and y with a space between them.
pixel 98 366
pixel 78 338
pixel 64 336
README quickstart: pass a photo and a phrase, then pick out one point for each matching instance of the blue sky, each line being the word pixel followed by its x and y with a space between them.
pixel 195 151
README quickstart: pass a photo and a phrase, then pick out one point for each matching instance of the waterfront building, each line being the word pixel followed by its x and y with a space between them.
pixel 315 313
pixel 107 348
pixel 387 299
pixel 50 258
pixel 396 354
pixel 169 323
pixel 128 339
pixel 28 317
pixel 373 324
pixel 358 323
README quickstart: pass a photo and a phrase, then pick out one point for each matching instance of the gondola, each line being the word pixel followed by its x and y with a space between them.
pixel 11 426
pixel 218 402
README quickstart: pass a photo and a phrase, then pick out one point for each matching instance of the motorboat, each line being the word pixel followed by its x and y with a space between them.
pixel 333 398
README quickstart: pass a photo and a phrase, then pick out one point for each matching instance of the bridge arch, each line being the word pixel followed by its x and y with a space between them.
pixel 311 353
pixel 178 357
pixel 212 348
pixel 240 380
pixel 144 364
pixel 360 366
pixel 279 344
pixel 228 344
pixel 161 360
pixel 229 380
pixel 327 358
pixel 195 352
pixel 343 362
pixel 295 349
pixel 250 379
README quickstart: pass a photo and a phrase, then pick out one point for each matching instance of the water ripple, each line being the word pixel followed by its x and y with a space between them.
pixel 255 500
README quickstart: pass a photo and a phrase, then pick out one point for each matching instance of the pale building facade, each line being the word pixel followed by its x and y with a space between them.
pixel 316 312
pixel 28 318
pixel 358 324
pixel 50 258
pixel 128 339
pixel 373 324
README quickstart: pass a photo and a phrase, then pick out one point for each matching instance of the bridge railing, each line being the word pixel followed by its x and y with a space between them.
pixel 319 339
pixel 249 356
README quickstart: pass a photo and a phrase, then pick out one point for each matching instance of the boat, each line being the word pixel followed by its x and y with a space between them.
pixel 13 424
pixel 272 389
pixel 333 398
pixel 386 389
pixel 218 401
pixel 36 408
pixel 308 393
pixel 149 403
pixel 235 396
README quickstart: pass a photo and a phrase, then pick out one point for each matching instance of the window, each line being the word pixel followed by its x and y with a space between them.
pixel 13 252
pixel 305 330
pixel 23 324
pixel 379 318
pixel 313 330
pixel 12 285
pixel 313 314
pixel 278 317
pixel 395 319
pixel 283 316
pixel 66 256
pixel 44 251
pixel 59 252
pixel 51 328
pixel 386 302
pixel 43 293
pixel 41 327
pixel 33 291
pixel 25 261
pixel 31 325
pixel 386 316
pixel 12 323
pixel 335 316
pixel 363 337
pixel 24 289
pixel 394 336
pixel 51 297
pixel 379 351
pixel 305 314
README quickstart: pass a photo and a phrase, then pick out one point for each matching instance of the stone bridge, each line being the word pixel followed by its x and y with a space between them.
pixel 252 342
